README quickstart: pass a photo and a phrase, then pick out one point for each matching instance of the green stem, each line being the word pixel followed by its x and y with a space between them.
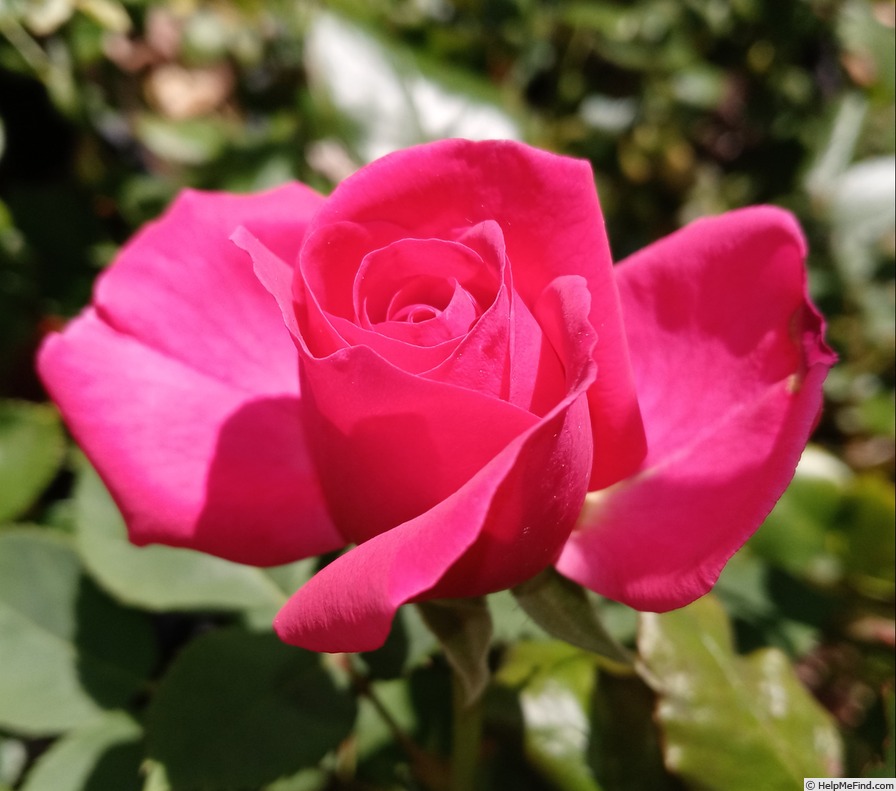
pixel 466 736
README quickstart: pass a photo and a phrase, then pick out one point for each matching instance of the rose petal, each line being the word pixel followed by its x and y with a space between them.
pixel 181 278
pixel 426 275
pixel 729 360
pixel 504 525
pixel 333 254
pixel 547 207
pixel 465 362
pixel 437 436
pixel 384 272
pixel 182 387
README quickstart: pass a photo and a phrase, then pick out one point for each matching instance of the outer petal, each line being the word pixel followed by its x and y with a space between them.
pixel 501 527
pixel 547 208
pixel 729 359
pixel 183 289
pixel 181 366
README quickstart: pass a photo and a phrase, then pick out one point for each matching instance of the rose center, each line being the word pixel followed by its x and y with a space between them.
pixel 439 286
pixel 421 299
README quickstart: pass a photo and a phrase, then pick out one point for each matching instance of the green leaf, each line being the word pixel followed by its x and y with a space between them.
pixel 102 755
pixel 837 146
pixel 66 650
pixel 511 621
pixel 753 707
pixel 110 14
pixel 555 681
pixel 375 731
pixel 566 611
pixel 831 523
pixel 239 710
pixel 31 448
pixel 771 608
pixel 166 578
pixel 463 627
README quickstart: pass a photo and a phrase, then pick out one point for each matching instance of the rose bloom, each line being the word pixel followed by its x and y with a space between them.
pixel 435 365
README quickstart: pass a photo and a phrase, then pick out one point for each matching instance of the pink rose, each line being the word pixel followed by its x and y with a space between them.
pixel 435 364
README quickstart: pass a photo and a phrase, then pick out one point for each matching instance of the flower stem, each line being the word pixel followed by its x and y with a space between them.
pixel 466 736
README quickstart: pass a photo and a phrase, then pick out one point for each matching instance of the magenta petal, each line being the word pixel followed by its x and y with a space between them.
pixel 389 445
pixel 182 278
pixel 349 605
pixel 402 291
pixel 190 460
pixel 547 208
pixel 181 385
pixel 729 359
pixel 504 525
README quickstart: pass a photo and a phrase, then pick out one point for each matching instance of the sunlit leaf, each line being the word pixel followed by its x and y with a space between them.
pixel 103 755
pixel 67 652
pixel 796 536
pixel 167 578
pixel 837 146
pixel 555 682
pixel 720 712
pixel 13 757
pixel 109 13
pixel 45 16
pixel 511 621
pixel 305 780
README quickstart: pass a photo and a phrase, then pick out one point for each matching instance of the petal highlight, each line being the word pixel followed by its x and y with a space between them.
pixel 729 358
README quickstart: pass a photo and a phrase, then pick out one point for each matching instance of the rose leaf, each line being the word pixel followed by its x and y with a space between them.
pixel 67 651
pixel 103 754
pixel 753 705
pixel 161 578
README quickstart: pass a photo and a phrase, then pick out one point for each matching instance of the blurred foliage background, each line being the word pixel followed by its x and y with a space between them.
pixel 683 107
